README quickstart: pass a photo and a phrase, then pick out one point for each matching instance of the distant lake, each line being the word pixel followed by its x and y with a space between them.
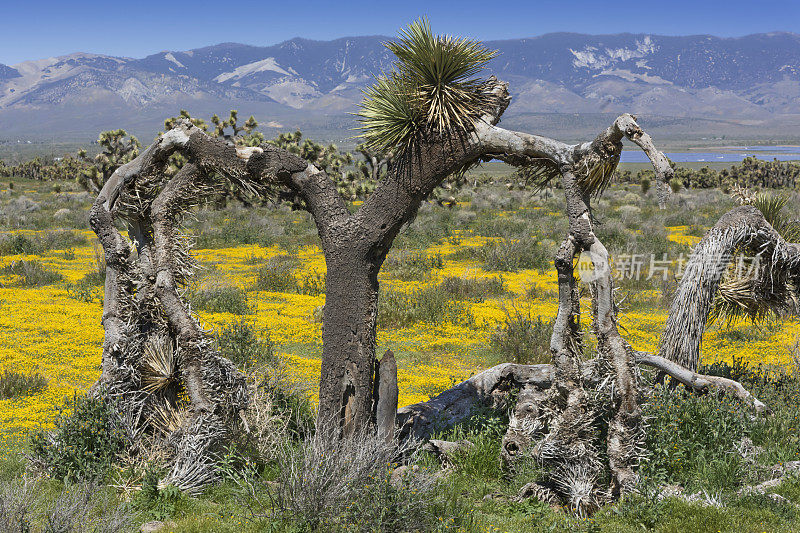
pixel 731 154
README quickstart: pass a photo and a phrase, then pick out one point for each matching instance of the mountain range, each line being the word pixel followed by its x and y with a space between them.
pixel 699 84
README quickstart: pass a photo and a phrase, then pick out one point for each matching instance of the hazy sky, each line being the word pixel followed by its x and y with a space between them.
pixel 44 28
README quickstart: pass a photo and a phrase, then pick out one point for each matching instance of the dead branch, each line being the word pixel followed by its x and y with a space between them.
pixel 701 382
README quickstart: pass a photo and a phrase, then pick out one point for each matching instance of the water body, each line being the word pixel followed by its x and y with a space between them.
pixel 732 154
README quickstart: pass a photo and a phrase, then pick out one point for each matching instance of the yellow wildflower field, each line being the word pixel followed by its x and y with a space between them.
pixel 48 330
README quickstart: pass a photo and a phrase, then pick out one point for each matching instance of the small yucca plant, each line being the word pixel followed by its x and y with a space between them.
pixel 432 89
pixel 160 365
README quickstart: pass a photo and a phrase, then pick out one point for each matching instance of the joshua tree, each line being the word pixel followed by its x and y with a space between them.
pixel 116 149
pixel 437 119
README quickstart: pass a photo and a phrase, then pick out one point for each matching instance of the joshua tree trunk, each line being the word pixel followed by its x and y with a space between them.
pixel 348 354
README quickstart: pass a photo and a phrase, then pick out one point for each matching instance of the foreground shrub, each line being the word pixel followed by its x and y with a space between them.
pixel 16 505
pixel 32 273
pixel 348 486
pixel 84 443
pixel 76 508
pixel 14 384
pixel 522 338
pixel 158 503
pixel 221 300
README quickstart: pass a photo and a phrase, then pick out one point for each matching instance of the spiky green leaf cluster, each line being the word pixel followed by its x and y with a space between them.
pixel 771 206
pixel 432 89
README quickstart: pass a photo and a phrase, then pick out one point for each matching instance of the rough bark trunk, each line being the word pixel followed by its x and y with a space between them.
pixel 348 343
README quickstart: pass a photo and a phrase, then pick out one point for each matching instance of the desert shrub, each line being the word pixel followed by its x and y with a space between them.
pixel 222 299
pixel 522 338
pixel 86 290
pixel 476 289
pixel 311 283
pixel 232 232
pixel 489 224
pixel 431 305
pixel 666 290
pixel 90 287
pixel 86 508
pixel 16 505
pixel 278 413
pixel 14 384
pixel 691 438
pixel 37 244
pixel 277 275
pixel 243 344
pixel 645 184
pixel 31 273
pixel 539 292
pixel 347 486
pixel 409 265
pixel 513 255
pixel 87 437
pixel 75 508
pixel 432 225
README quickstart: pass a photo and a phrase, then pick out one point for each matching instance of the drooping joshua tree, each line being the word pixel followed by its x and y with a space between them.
pixel 436 118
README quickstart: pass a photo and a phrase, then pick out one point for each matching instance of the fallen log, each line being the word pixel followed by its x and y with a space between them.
pixel 490 389
pixel 487 389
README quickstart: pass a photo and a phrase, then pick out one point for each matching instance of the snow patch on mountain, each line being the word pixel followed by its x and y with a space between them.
pixel 592 57
pixel 171 58
pixel 268 64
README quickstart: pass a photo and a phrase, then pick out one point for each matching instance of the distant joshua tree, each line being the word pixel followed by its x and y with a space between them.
pixel 116 149
pixel 429 118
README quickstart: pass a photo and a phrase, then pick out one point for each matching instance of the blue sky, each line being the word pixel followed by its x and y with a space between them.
pixel 44 28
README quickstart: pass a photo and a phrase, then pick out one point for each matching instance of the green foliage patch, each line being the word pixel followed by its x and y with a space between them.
pixel 84 443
